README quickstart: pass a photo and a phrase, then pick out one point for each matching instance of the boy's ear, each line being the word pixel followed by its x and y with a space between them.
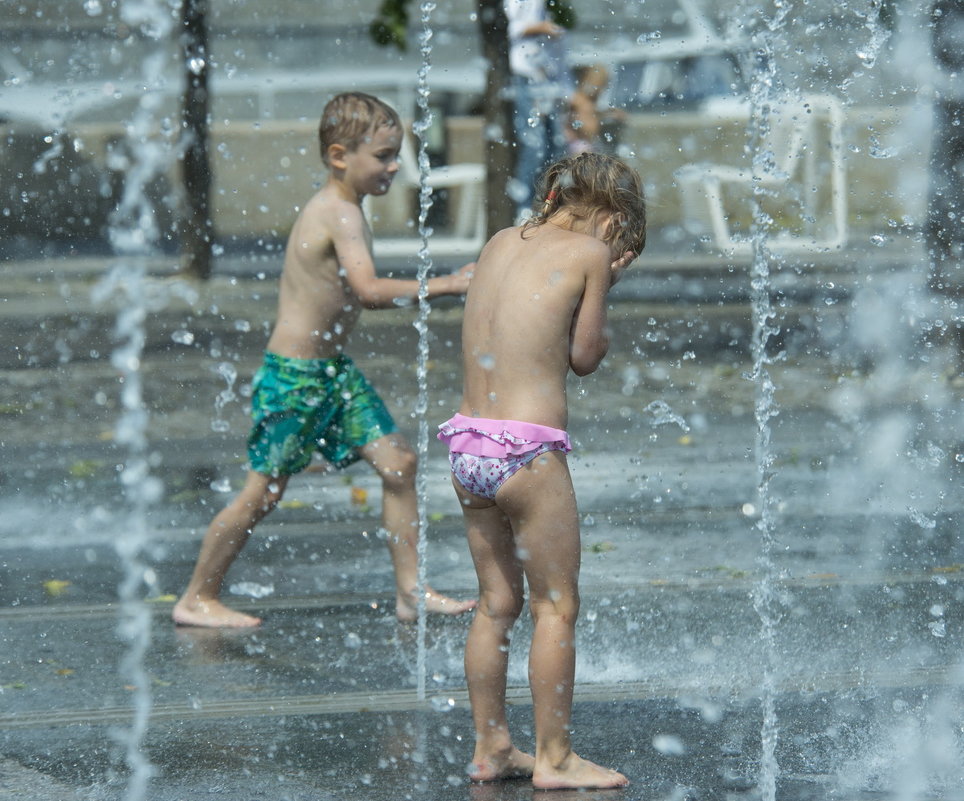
pixel 336 155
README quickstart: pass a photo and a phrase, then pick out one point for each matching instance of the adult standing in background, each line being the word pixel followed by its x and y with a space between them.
pixel 945 231
pixel 541 87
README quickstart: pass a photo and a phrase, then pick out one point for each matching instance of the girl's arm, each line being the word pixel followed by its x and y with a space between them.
pixel 589 333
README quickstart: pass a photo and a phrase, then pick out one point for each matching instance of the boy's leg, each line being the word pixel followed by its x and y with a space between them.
pixel 501 596
pixel 394 460
pixel 541 505
pixel 223 541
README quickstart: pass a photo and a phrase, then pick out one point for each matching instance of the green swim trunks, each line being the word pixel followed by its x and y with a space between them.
pixel 303 405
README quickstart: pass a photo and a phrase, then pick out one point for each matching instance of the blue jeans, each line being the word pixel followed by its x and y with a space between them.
pixel 538 114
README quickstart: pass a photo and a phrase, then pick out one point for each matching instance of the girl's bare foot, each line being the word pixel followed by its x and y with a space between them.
pixel 406 605
pixel 515 764
pixel 576 773
pixel 211 614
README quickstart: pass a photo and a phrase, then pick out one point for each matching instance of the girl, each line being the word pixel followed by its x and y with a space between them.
pixel 536 307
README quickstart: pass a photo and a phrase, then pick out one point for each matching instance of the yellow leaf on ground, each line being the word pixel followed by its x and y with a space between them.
pixel 55 587
pixel 293 504
pixel 359 496
pixel 85 468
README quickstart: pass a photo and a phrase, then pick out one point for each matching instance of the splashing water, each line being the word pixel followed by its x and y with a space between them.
pixel 664 415
pixel 133 232
pixel 868 53
pixel 421 324
pixel 763 94
pixel 229 373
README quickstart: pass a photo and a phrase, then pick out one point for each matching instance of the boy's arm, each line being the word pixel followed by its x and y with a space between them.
pixel 374 292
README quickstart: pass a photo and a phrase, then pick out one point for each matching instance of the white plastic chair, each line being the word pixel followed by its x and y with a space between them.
pixel 801 132
pixel 468 229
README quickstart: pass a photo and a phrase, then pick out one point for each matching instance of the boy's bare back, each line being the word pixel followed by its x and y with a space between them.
pixel 536 306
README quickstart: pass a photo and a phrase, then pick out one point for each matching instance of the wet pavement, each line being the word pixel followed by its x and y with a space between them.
pixel 864 559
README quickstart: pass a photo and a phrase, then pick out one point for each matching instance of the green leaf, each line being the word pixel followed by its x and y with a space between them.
pixel 390 26
pixel 562 13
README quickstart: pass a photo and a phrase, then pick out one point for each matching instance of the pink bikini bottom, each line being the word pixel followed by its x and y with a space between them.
pixel 484 453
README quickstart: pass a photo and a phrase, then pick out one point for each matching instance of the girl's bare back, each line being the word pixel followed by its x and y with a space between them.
pixel 519 314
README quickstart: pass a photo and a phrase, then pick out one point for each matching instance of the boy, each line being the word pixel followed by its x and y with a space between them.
pixel 308 395
pixel 535 310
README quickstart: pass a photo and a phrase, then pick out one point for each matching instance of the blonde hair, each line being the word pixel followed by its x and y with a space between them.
pixel 590 185
pixel 350 117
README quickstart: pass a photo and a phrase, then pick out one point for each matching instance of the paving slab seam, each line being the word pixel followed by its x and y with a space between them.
pixel 407 700
pixel 587 589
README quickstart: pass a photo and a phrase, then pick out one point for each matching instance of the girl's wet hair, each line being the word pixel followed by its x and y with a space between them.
pixel 588 186
pixel 350 117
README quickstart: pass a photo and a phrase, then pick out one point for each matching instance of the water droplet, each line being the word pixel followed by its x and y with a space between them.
pixel 228 372
pixel 252 589
pixel 877 152
pixel 183 337
pixel 669 744
pixel 442 704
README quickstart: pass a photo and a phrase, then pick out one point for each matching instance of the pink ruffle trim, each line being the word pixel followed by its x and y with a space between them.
pixel 481 436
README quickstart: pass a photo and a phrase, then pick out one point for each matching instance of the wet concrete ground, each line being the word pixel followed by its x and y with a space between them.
pixel 320 702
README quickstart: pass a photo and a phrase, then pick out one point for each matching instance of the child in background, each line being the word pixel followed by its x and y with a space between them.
pixel 536 308
pixel 585 124
pixel 308 395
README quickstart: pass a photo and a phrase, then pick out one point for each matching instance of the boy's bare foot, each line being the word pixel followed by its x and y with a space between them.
pixel 211 614
pixel 406 605
pixel 514 765
pixel 576 773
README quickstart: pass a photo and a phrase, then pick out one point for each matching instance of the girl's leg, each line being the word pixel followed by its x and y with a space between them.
pixel 394 460
pixel 541 506
pixel 501 596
